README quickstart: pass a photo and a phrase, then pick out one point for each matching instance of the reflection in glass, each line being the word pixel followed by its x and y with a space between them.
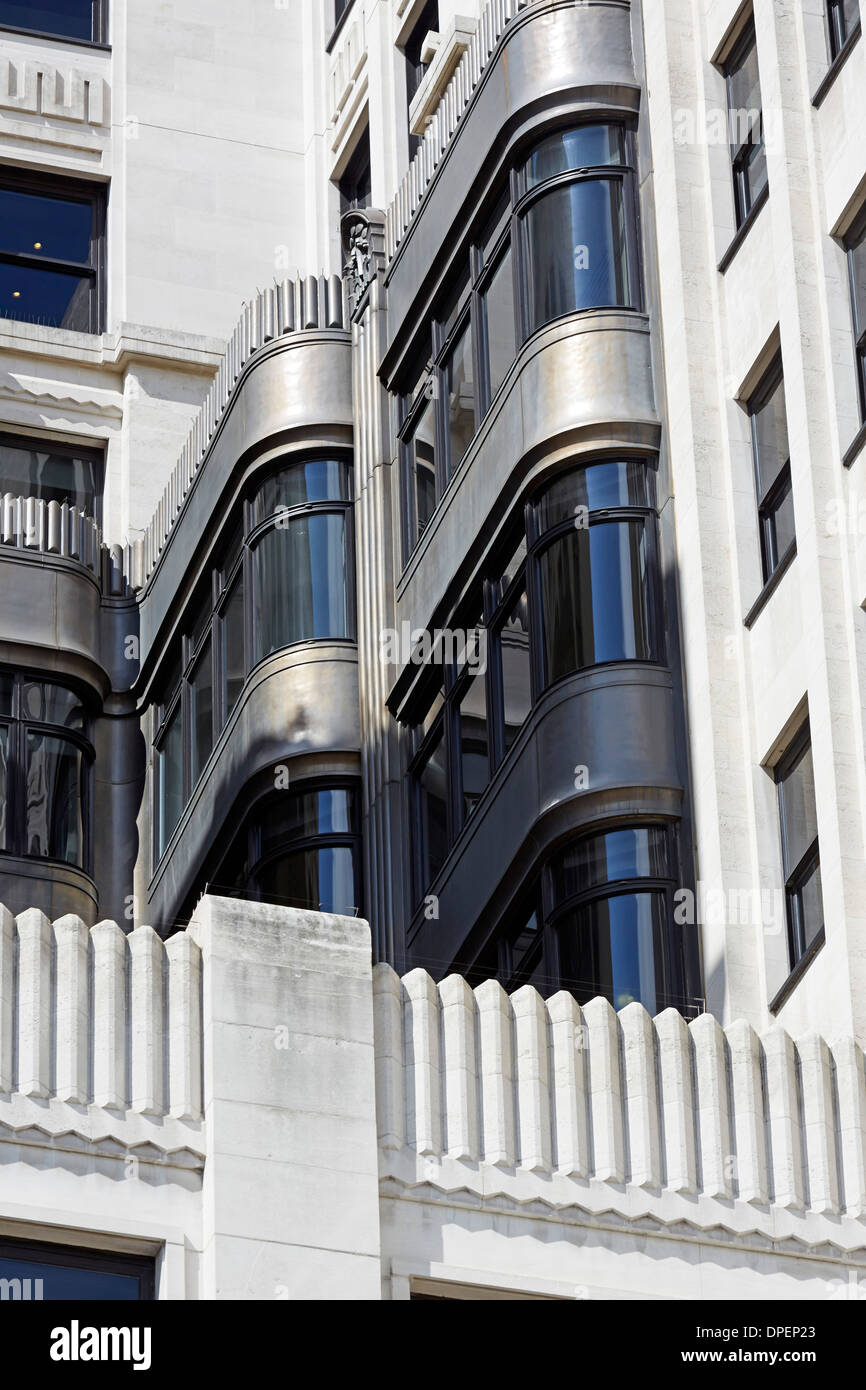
pixel 460 395
pixel 423 447
pixel 54 811
pixel 233 661
pixel 612 947
pixel 170 778
pixel 475 771
pixel 576 250
pixel 432 791
pixel 585 147
pixel 498 301
pixel 631 852
pixel 48 297
pixel 799 815
pixel 594 597
pixel 515 665
pixel 69 19
pixel 53 475
pixel 322 880
pixel 299 484
pixel 201 711
pixel 301 583
pixel 614 483
pixel 70 1283
pixel 51 704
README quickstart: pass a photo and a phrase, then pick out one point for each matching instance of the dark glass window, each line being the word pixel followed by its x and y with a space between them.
pixel 51 251
pixel 795 779
pixel 856 250
pixel 83 20
pixel 575 248
pixel 460 396
pixel 45 771
pixel 284 574
pixel 843 20
pixel 40 1271
pixel 515 666
pixel 746 127
pixel 298 849
pixel 430 783
pixel 613 947
pixel 340 8
pixel 53 472
pixel 356 183
pixel 497 300
pixel 772 470
pixel 427 22
pixel 473 733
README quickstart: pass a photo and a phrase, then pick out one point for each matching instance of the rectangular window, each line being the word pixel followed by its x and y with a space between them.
pixel 421 471
pixel 772 464
pixel 42 1271
pixel 459 388
pixel 356 183
pixel 201 711
pixel 513 655
pixel 474 745
pixel 856 251
pixel 52 237
pixel 431 812
pixel 81 20
pixel 795 779
pixel 427 21
pixel 843 19
pixel 745 125
pixel 233 659
pixel 53 472
pixel 497 301
pixel 169 771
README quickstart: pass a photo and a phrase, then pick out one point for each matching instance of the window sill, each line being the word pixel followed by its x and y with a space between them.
pixel 855 446
pixel 838 62
pixel 771 585
pixel 743 230
pixel 339 27
pixel 797 973
pixel 56 38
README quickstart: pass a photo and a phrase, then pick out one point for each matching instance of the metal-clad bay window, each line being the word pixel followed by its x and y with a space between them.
pixel 85 21
pixel 284 575
pixel 746 124
pixel 575 585
pixel 795 780
pixel 52 251
pixel 46 759
pixel 54 472
pixel 597 921
pixel 771 457
pixel 562 238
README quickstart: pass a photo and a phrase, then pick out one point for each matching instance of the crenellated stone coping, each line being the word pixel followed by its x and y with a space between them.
pixel 561 1099
pixel 54 528
pixel 495 18
pixel 295 306
pixel 98 1017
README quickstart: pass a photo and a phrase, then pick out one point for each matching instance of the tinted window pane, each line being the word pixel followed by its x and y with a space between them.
pixel 4 764
pixel 594 597
pixel 576 250
pixel 55 477
pixel 322 880
pixel 432 789
pixel 319 480
pixel 783 521
pixel 619 483
pixel 170 760
pixel 201 711
pixel 51 704
pixel 857 261
pixel 72 19
pixel 34 225
pixel 423 449
pixel 54 809
pixel 515 664
pixel 611 947
pixel 752 177
pixel 634 852
pixel 585 147
pixel 47 297
pixel 744 92
pixel 66 1282
pixel 306 814
pixel 809 909
pixel 770 439
pixel 498 298
pixel 460 395
pixel 799 817
pixel 5 694
pixel 300 574
pixel 474 743
pixel 234 666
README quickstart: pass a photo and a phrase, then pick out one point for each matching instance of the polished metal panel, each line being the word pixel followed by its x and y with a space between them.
pixel 54 889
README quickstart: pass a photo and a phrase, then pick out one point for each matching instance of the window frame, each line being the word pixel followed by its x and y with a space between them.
pixel 47 185
pixel 854 241
pixel 838 32
pixel 769 501
pixel 40 443
pixel 358 166
pixel 99 29
pixel 77 1257
pixel 19 726
pixel 796 876
pixel 744 200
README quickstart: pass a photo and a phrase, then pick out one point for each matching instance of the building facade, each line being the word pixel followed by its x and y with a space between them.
pixel 495 576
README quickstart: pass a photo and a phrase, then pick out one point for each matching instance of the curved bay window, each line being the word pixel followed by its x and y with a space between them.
pixel 599 921
pixel 576 586
pixel 45 768
pixel 284 575
pixel 562 238
pixel 298 849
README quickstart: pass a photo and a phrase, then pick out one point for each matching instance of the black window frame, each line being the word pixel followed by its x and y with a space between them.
pixel 839 32
pixel 770 499
pixel 39 444
pixel 19 726
pixel 499 232
pixel 745 199
pixel 355 184
pixel 60 186
pixel 99 28
pixel 797 875
pixel 856 241
pixel 78 1257
pixel 415 68
pixel 234 560
pixel 488 611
